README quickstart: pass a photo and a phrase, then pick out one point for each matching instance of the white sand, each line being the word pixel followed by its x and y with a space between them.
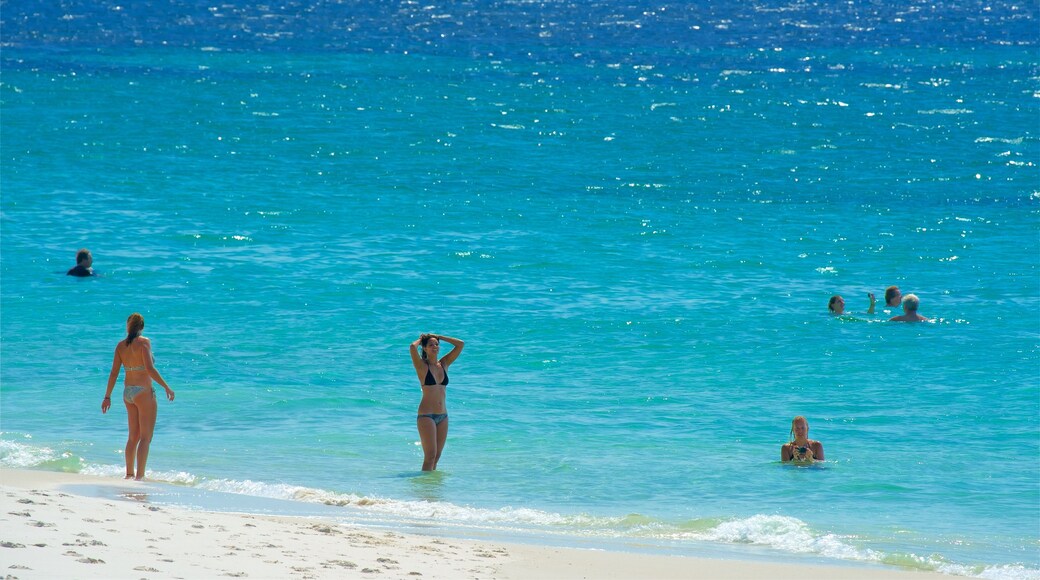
pixel 46 532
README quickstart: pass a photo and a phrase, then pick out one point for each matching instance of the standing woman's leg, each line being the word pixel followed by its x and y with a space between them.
pixel 147 409
pixel 428 438
pixel 132 438
pixel 442 436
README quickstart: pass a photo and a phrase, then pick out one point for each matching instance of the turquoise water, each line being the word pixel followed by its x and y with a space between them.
pixel 637 244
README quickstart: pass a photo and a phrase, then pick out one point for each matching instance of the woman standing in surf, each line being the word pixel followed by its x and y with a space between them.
pixel 134 354
pixel 432 420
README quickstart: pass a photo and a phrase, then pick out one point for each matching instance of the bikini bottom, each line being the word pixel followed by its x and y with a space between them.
pixel 129 392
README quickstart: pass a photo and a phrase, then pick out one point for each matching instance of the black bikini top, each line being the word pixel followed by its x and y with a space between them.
pixel 431 380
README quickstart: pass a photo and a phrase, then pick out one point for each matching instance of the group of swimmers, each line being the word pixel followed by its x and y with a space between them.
pixel 893 298
pixel 134 355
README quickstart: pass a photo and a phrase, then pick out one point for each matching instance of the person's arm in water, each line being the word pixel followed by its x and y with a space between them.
pixel 785 452
pixel 112 376
pixel 873 301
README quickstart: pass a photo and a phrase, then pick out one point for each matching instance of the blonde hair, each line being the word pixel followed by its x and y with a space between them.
pixel 135 324
pixel 795 420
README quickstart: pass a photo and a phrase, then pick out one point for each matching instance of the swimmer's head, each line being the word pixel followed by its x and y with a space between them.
pixel 799 427
pixel 429 342
pixel 835 302
pixel 892 295
pixel 911 302
pixel 134 326
pixel 83 258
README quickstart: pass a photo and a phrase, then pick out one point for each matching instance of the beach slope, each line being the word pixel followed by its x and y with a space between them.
pixel 47 532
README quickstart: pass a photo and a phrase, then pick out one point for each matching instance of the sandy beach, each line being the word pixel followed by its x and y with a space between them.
pixel 50 533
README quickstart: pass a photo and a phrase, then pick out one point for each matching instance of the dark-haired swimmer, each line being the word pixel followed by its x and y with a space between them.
pixel 432 420
pixel 134 354
pixel 82 268
pixel 801 448
pixel 892 296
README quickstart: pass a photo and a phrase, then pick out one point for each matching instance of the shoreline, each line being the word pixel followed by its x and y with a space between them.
pixel 53 531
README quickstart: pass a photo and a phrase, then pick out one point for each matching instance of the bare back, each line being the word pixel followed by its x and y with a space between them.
pixel 136 359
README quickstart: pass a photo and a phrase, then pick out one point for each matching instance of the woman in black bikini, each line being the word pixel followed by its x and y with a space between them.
pixel 801 448
pixel 432 421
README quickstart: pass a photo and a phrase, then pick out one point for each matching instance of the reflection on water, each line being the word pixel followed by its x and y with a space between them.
pixel 141 497
pixel 428 485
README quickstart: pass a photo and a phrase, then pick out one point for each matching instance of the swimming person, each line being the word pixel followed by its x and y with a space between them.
pixel 82 268
pixel 801 448
pixel 134 354
pixel 910 304
pixel 836 305
pixel 893 297
pixel 432 420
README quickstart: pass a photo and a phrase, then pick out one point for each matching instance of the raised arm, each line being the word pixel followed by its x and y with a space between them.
pixel 873 301
pixel 456 350
pixel 112 376
pixel 149 365
pixel 417 360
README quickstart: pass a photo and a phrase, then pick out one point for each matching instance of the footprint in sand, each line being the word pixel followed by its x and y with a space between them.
pixel 90 561
pixel 145 569
pixel 11 545
pixel 340 563
pixel 23 514
pixel 81 543
pixel 39 524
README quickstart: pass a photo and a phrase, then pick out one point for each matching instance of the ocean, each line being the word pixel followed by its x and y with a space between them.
pixel 634 215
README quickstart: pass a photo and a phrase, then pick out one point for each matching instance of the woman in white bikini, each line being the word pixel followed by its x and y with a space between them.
pixel 801 448
pixel 134 354
pixel 432 421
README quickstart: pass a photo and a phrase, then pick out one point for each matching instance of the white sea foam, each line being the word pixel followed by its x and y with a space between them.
pixel 781 533
pixel 786 534
pixel 19 455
